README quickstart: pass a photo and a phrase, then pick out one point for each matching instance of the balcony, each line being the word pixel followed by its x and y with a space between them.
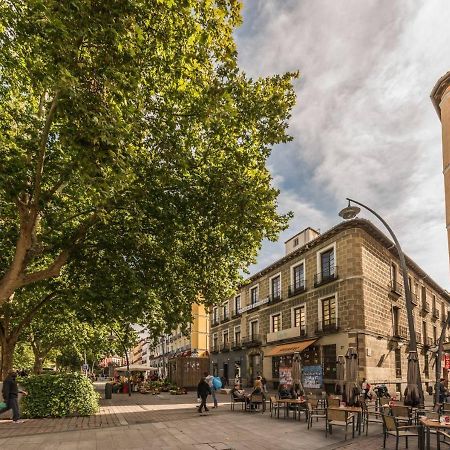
pixel 425 307
pixel 288 333
pixel 255 305
pixel 236 313
pixel 326 277
pixel 215 348
pixel 436 313
pixel 225 319
pixel 396 288
pixel 428 342
pixel 275 298
pixel 252 341
pixel 297 289
pixel 215 321
pixel 401 332
pixel 414 299
pixel 418 337
pixel 326 327
pixel 225 347
pixel 236 344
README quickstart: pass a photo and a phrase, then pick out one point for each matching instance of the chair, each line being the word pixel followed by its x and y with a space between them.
pixel 369 416
pixel 235 400
pixel 275 406
pixel 393 428
pixel 445 408
pixel 402 414
pixel 315 412
pixel 339 418
pixel 445 435
pixel 334 402
pixel 256 402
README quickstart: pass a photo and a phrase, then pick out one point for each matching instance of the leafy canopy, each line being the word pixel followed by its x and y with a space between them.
pixel 133 152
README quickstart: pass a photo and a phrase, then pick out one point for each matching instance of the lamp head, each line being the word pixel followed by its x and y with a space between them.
pixel 349 212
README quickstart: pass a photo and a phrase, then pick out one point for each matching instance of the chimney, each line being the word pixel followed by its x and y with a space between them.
pixel 300 239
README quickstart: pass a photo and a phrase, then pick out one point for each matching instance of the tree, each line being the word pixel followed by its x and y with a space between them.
pixel 134 148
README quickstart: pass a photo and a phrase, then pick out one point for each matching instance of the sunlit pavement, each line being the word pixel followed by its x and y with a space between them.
pixel 172 422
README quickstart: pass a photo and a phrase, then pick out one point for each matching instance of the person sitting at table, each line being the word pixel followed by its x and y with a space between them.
pixel 283 391
pixel 238 394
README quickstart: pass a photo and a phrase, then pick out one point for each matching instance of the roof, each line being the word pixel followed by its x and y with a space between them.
pixel 438 91
pixel 372 230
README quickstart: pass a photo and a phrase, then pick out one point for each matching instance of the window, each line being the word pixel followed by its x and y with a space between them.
pixel 395 320
pixel 434 335
pixel 426 368
pixel 237 334
pixel 275 323
pixel 225 337
pixel 327 264
pixel 398 363
pixel 299 318
pixel 237 304
pixel 424 332
pixel 254 295
pixel 410 284
pixel 253 329
pixel 329 361
pixel 275 287
pixel 215 315
pixel 328 313
pixel 424 295
pixel 298 275
pixel 215 341
pixel 295 242
pixel 433 302
pixel 394 276
pixel 225 311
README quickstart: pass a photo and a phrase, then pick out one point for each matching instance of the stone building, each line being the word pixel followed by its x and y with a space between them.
pixel 440 96
pixel 329 292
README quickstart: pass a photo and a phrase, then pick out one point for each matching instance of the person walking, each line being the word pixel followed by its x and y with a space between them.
pixel 210 380
pixel 10 392
pixel 203 390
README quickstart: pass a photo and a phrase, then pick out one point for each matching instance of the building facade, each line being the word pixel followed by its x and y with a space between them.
pixel 195 343
pixel 330 292
pixel 440 96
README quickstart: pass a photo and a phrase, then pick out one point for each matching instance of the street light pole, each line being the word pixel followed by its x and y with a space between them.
pixel 349 213
pixel 439 358
pixel 111 338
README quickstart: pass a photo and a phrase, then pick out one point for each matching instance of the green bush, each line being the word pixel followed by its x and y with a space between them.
pixel 59 395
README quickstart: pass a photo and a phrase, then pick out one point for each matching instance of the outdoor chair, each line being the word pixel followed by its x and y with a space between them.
pixel 402 414
pixel 340 418
pixel 393 428
pixel 315 413
pixel 334 402
pixel 445 408
pixel 275 407
pixel 256 402
pixel 446 438
pixel 369 417
pixel 235 400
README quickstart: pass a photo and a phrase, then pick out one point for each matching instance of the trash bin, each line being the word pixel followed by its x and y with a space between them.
pixel 108 390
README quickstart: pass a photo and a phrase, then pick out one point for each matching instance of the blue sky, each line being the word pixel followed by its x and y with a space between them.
pixel 364 126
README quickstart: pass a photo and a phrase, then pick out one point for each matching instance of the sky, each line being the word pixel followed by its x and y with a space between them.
pixel 363 126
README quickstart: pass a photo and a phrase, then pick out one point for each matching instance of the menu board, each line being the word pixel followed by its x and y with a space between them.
pixel 286 375
pixel 312 377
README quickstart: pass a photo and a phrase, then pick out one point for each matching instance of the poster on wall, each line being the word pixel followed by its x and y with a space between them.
pixel 446 361
pixel 286 375
pixel 312 377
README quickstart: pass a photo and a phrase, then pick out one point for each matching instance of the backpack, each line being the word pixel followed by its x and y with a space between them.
pixel 217 383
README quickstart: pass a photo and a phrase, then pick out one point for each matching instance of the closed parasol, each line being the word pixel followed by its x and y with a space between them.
pixel 351 391
pixel 340 375
pixel 412 394
pixel 297 373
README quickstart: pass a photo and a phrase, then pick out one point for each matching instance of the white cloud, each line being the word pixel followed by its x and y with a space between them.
pixel 364 125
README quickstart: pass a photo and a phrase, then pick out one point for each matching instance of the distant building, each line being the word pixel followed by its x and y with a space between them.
pixel 335 290
pixel 440 96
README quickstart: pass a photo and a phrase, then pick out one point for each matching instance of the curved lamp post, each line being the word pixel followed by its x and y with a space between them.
pixel 350 212
pixel 112 337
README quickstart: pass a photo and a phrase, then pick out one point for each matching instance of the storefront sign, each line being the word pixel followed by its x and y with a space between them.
pixel 447 361
pixel 312 377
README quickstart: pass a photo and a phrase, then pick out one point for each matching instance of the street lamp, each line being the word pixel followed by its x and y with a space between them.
pixel 112 337
pixel 350 212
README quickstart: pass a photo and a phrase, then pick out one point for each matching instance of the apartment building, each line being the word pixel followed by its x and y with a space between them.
pixel 331 291
pixel 194 343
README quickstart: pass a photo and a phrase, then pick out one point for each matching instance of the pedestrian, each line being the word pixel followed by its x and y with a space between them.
pixel 365 387
pixel 442 390
pixel 203 390
pixel 10 392
pixel 210 380
pixel 264 384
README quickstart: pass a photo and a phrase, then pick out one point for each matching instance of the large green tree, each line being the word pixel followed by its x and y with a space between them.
pixel 133 151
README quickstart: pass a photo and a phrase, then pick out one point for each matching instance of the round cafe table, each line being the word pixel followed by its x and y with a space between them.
pixel 432 424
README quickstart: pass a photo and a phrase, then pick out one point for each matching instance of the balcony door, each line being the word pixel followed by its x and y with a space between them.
pixel 328 313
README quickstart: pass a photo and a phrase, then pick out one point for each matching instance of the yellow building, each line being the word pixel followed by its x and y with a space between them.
pixel 440 96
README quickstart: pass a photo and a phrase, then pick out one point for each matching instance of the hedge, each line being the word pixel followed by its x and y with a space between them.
pixel 59 395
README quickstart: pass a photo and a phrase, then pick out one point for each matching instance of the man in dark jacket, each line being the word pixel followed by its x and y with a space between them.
pixel 10 393
pixel 203 390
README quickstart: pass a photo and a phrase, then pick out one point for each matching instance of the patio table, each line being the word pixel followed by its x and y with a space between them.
pixel 351 409
pixel 427 426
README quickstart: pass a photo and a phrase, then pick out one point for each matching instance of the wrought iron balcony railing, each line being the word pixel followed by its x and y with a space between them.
pixel 327 326
pixel 295 289
pixel 326 277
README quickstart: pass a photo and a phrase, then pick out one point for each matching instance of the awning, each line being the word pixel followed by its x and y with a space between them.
pixel 289 349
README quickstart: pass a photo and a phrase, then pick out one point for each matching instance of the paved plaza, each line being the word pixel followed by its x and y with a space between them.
pixel 172 422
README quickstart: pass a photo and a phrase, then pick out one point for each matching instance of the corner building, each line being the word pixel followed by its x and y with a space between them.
pixel 330 292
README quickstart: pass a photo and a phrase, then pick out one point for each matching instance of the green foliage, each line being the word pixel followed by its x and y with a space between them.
pixel 23 357
pixel 59 395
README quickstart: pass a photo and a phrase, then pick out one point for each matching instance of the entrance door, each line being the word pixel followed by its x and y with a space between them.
pixel 254 367
pixel 225 372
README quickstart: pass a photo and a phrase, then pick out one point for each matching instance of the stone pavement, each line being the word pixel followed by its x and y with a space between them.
pixel 172 422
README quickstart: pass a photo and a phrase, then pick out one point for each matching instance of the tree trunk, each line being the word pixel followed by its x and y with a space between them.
pixel 38 364
pixel 7 356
